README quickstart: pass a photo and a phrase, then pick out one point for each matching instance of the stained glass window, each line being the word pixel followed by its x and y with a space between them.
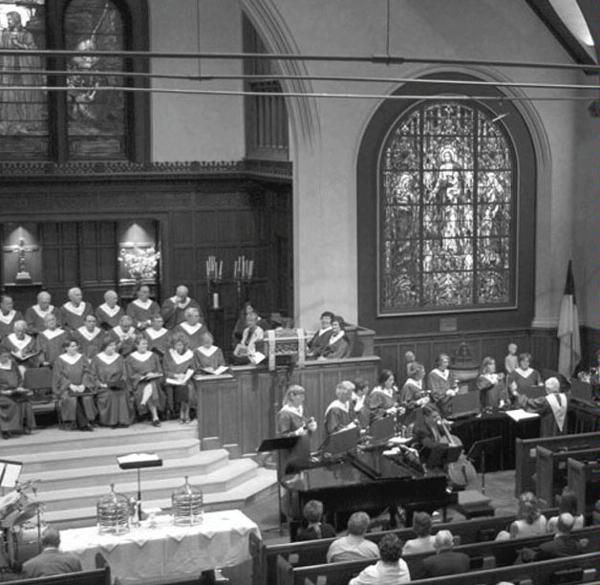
pixel 446 211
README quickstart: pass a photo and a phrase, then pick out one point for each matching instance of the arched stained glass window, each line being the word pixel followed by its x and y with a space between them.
pixel 447 219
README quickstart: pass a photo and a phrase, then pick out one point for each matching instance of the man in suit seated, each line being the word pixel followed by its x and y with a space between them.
pixel 51 561
pixel 564 543
pixel 445 561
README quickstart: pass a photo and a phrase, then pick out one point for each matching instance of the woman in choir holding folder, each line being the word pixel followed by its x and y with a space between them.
pixel 522 378
pixel 492 386
pixel 412 394
pixel 114 404
pixel 209 358
pixel 178 365
pixel 443 384
pixel 157 336
pixel 16 414
pixel 291 420
pixel 144 374
pixel 73 385
pixel 22 346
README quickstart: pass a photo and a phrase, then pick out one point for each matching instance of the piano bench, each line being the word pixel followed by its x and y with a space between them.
pixel 473 504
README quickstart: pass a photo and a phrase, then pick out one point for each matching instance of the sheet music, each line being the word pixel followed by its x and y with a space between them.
pixel 137 458
pixel 520 414
pixel 257 357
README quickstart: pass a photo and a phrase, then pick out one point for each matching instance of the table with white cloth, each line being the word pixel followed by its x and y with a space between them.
pixel 165 553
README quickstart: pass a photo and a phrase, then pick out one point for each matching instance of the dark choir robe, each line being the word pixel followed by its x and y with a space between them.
pixel 211 357
pixel 337 416
pixel 319 341
pixel 125 340
pixel 114 405
pixel 289 420
pixel 16 413
pixel 173 314
pixel 552 409
pixel 380 400
pixel 137 365
pixel 22 348
pixel 35 318
pixel 50 343
pixel 90 342
pixel 175 364
pixel 360 408
pixel 73 317
pixel 492 391
pixel 411 391
pixel 439 382
pixel 337 347
pixel 525 379
pixel 7 322
pixel 142 313
pixel 73 370
pixel 193 333
pixel 108 318
pixel 158 340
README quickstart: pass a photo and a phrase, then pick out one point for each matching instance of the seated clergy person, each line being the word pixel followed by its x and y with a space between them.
pixel 320 339
pixel 564 543
pixel 36 314
pixel 75 310
pixel 492 386
pixel 16 414
pixel 192 328
pixel 446 561
pixel 8 316
pixel 208 357
pixel 315 529
pixel 390 569
pixel 245 350
pixel 124 335
pixel 22 346
pixel 338 346
pixel 109 313
pixel 178 366
pixel 51 561
pixel 339 414
pixel 89 337
pixel 158 336
pixel 354 545
pixel 173 309
pixel 51 341
pixel 143 308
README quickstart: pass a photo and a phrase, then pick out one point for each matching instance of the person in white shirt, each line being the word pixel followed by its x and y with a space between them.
pixel 391 569
pixel 354 545
pixel 424 542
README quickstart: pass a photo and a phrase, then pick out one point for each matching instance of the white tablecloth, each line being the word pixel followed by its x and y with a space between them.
pixel 167 552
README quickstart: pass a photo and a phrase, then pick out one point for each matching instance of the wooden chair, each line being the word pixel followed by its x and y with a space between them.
pixel 39 380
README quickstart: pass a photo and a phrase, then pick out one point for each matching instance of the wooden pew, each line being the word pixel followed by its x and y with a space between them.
pixel 525 448
pixel 583 478
pixel 95 577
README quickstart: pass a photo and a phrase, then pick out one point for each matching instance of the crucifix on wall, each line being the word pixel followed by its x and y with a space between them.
pixel 22 250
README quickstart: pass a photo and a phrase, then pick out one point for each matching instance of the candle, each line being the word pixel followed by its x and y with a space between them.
pixel 215 300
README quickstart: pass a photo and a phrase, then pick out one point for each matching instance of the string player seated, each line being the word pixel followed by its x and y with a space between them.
pixel 429 437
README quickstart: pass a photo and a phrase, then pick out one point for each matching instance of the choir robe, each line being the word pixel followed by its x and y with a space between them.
pixel 35 318
pixel 77 371
pixel 90 342
pixel 174 364
pixel 114 404
pixel 108 318
pixel 411 391
pixel 158 340
pixel 194 334
pixel 360 408
pixel 338 347
pixel 51 344
pixel 74 317
pixel 525 379
pixel 211 357
pixel 491 391
pixel 380 400
pixel 7 322
pixel 288 420
pixel 319 341
pixel 337 416
pixel 125 340
pixel 553 415
pixel 22 347
pixel 15 415
pixel 173 314
pixel 142 313
pixel 136 366
pixel 439 383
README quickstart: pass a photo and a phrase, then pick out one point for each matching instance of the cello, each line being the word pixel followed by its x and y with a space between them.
pixel 461 473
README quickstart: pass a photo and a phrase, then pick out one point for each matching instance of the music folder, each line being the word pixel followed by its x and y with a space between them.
pixel 139 461
pixel 277 444
pixel 9 473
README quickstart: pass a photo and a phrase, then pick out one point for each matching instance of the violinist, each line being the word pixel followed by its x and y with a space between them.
pixel 412 395
pixel 430 437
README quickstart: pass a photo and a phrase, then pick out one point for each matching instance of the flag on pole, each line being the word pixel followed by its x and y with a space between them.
pixel 569 350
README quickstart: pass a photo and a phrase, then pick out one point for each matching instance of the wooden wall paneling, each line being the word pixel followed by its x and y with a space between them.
pixel 97 258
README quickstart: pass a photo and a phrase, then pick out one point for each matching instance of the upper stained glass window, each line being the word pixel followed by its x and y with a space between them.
pixel 447 220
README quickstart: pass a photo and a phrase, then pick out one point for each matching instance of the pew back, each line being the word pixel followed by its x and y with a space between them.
pixel 95 577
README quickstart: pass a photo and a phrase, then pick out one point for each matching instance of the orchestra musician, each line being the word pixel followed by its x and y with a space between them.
pixel 428 436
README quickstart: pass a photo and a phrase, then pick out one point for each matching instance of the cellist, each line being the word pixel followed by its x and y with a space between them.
pixel 429 437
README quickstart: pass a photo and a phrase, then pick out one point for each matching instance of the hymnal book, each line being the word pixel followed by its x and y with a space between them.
pixel 24 357
pixel 18 392
pixel 256 358
pixel 180 381
pixel 217 371
pixel 150 376
pixel 520 414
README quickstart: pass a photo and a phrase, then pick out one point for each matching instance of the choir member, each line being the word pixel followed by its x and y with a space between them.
pixel 442 384
pixel 16 414
pixel 491 385
pixel 552 408
pixel 22 346
pixel 523 377
pixel 144 374
pixel 108 370
pixel 36 314
pixel 8 316
pixel 208 357
pixel 412 394
pixel 245 350
pixel 178 366
pixel 359 402
pixel 157 336
pixel 143 309
pixel 383 398
pixel 75 310
pixel 240 324
pixel 192 328
pixel 511 361
pixel 109 313
pixel 339 415
pixel 73 386
pixel 51 341
pixel 124 335
pixel 89 337
pixel 173 309
pixel 320 339
pixel 338 346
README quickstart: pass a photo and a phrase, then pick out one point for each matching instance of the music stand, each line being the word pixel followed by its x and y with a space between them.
pixel 478 451
pixel 139 461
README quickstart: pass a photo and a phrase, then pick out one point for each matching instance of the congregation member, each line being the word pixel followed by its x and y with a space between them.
pixel 564 544
pixel 524 377
pixel 320 340
pixel 353 546
pixel 412 395
pixel 446 561
pixel 390 569
pixel 240 324
pixel 73 386
pixel 51 341
pixel 245 351
pixel 173 309
pixel 108 371
pixel 75 310
pixel 143 309
pixel 144 374
pixel 192 328
pixel 360 406
pixel 442 384
pixel 22 347
pixel 51 561
pixel 291 418
pixel 491 386
pixel 178 368
pixel 339 415
pixel 315 528
pixel 8 316
pixel 157 336
pixel 567 504
pixel 424 541
pixel 511 361
pixel 36 314
pixel 383 399
pixel 124 335
pixel 89 337
pixel 16 414
pixel 208 357
pixel 109 313
pixel 338 346
pixel 530 520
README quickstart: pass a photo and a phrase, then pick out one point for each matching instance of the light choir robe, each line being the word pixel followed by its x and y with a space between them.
pixel 552 409
pixel 175 364
pixel 142 313
pixel 7 322
pixel 51 344
pixel 90 342
pixel 125 340
pixel 319 341
pixel 114 404
pixel 158 340
pixel 211 357
pixel 136 366
pixel 173 313
pixel 337 415
pixel 22 348
pixel 439 382
pixel 16 413
pixel 380 400
pixel 338 347
pixel 193 333
pixel 73 317
pixel 492 391
pixel 73 370
pixel 108 317
pixel 35 317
